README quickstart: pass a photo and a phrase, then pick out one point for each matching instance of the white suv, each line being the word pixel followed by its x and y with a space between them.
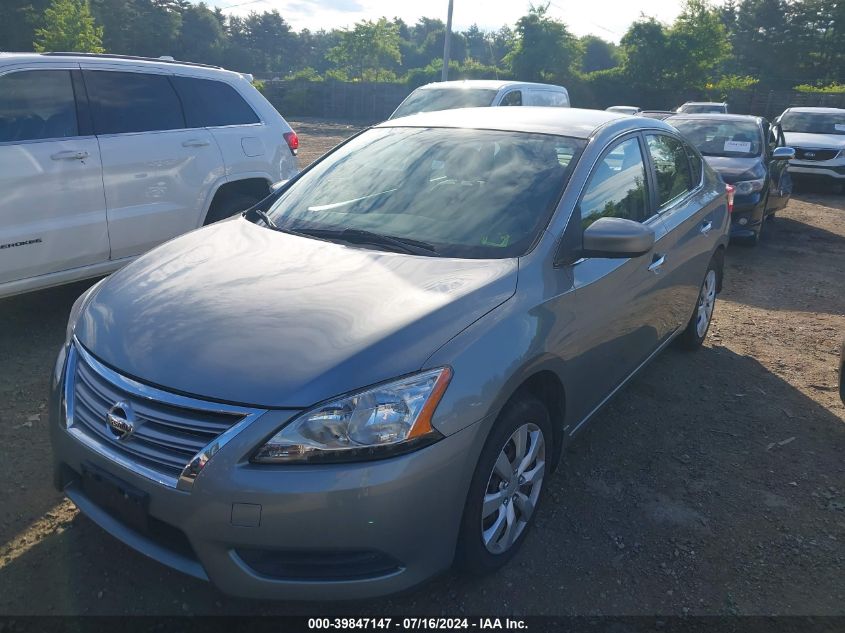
pixel 102 157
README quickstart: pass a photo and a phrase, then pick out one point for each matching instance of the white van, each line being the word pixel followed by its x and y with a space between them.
pixel 478 93
pixel 103 157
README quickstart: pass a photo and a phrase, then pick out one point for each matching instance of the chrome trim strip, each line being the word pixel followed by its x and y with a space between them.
pixel 189 474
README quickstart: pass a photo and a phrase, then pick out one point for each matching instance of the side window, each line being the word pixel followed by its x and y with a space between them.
pixel 132 102
pixel 210 103
pixel 671 167
pixel 696 166
pixel 617 187
pixel 547 98
pixel 513 98
pixel 37 104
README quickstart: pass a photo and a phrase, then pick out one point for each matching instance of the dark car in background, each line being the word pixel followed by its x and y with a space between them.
pixel 749 154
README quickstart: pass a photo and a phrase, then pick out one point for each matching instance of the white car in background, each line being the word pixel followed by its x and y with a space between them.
pixel 103 157
pixel 479 93
pixel 622 109
pixel 818 136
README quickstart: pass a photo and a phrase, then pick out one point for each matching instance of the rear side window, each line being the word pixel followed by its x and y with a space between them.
pixel 210 103
pixel 696 166
pixel 617 186
pixel 132 102
pixel 671 167
pixel 37 104
pixel 547 98
pixel 513 98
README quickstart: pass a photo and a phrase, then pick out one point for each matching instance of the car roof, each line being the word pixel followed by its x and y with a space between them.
pixel 719 103
pixel 575 122
pixel 713 116
pixel 152 63
pixel 487 84
pixel 819 110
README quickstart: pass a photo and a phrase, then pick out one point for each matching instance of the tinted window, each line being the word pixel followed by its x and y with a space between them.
pixel 714 137
pixel 132 102
pixel 431 99
pixel 617 187
pixel 513 98
pixel 671 167
pixel 211 103
pixel 37 104
pixel 468 193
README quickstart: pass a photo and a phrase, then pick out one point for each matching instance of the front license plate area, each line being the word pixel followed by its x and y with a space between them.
pixel 124 502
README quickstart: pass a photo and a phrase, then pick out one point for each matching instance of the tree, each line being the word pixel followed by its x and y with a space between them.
pixel 364 51
pixel 201 38
pixel 69 26
pixel 543 50
pixel 698 46
pixel 599 54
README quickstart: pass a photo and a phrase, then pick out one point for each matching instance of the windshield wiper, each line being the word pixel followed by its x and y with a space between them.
pixel 266 218
pixel 362 236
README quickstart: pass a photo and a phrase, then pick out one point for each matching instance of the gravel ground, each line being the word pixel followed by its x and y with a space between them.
pixel 713 484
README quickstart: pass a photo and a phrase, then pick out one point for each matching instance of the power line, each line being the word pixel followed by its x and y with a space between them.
pixel 240 4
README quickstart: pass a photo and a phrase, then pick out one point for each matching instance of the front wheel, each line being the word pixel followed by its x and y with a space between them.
pixel 505 489
pixel 696 331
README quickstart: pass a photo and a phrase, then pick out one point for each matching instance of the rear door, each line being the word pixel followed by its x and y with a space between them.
pixel 52 211
pixel 158 175
pixel 690 221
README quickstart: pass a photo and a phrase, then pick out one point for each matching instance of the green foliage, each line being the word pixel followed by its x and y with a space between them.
pixel 833 88
pixel 69 26
pixel 543 50
pixel 259 85
pixel 305 74
pixel 469 69
pixel 599 54
pixel 732 82
pixel 364 51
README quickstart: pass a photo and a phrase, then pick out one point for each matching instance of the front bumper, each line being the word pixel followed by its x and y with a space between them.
pixel 747 215
pixel 333 531
pixel 829 169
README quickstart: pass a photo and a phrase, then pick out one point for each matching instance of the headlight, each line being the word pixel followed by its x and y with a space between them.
pixel 744 187
pixel 77 308
pixel 391 418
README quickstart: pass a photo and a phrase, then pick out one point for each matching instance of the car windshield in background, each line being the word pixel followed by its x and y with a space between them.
pixel 721 138
pixel 813 122
pixel 432 99
pixel 463 193
pixel 702 109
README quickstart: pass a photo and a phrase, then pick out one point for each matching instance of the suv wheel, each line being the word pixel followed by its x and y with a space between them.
pixel 506 487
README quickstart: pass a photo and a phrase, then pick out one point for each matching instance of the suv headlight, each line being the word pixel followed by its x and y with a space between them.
pixel 744 187
pixel 384 420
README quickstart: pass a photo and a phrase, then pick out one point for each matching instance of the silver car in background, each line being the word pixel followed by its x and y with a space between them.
pixel 818 136
pixel 373 372
pixel 478 93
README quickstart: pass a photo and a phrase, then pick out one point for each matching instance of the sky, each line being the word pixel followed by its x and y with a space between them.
pixel 608 19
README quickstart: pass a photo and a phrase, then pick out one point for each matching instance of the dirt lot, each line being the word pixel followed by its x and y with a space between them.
pixel 713 484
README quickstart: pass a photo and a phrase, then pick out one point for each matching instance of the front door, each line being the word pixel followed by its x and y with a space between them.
pixel 780 182
pixel 52 211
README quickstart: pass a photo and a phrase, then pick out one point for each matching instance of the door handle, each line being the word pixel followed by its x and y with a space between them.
pixel 70 155
pixel 706 227
pixel 194 142
pixel 657 265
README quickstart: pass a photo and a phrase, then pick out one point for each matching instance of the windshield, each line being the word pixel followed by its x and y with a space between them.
pixel 703 108
pixel 721 138
pixel 465 193
pixel 813 122
pixel 431 99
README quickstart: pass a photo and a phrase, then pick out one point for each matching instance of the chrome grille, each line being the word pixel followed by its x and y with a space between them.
pixel 170 431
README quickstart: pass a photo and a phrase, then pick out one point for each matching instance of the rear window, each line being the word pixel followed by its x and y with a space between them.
pixel 37 104
pixel 431 99
pixel 210 103
pixel 714 137
pixel 132 102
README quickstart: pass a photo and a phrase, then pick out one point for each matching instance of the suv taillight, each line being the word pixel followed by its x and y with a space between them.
pixel 731 190
pixel 293 141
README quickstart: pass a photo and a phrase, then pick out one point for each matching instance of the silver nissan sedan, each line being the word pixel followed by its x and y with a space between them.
pixel 371 374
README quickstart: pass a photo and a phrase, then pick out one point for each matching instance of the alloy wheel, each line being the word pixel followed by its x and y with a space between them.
pixel 706 301
pixel 513 488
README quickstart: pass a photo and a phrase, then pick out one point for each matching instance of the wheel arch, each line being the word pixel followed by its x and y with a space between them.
pixel 253 186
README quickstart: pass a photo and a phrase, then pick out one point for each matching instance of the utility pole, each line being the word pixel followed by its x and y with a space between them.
pixel 447 44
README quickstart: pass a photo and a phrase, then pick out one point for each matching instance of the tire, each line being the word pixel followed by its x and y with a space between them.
pixel 511 485
pixel 227 206
pixel 699 324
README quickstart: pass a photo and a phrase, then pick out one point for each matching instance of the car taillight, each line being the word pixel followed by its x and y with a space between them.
pixel 731 190
pixel 293 141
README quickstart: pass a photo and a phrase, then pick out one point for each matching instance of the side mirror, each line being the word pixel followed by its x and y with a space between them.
pixel 617 238
pixel 783 153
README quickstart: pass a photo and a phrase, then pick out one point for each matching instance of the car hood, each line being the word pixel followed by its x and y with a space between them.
pixel 733 169
pixel 240 313
pixel 815 141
